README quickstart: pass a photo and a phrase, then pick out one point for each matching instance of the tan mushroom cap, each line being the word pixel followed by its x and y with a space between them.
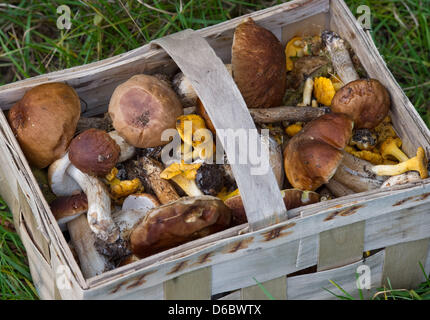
pixel 94 152
pixel 170 225
pixel 44 122
pixel 142 108
pixel 366 101
pixel 258 64
pixel 293 198
pixel 66 208
pixel 312 156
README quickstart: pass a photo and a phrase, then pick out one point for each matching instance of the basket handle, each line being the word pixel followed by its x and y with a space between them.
pixel 227 110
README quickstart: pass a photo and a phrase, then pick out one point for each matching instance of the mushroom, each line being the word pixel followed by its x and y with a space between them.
pixel 293 198
pixel 307 93
pixel 404 178
pixel 127 151
pixel 417 163
pixel 312 156
pixel 210 179
pixel 69 213
pixel 366 101
pixel 134 208
pixel 258 63
pixel 339 55
pixel 390 147
pixel 67 208
pixel 175 223
pixel 184 175
pixel 92 153
pixel 142 108
pixel 363 139
pixel 44 122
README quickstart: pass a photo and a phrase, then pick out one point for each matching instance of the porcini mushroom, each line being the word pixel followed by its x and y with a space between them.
pixel 175 223
pixel 258 63
pixel 95 153
pixel 44 122
pixel 312 156
pixel 366 101
pixel 67 208
pixel 142 108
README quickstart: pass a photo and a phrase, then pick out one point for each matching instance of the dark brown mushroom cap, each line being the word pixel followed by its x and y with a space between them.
pixel 142 108
pixel 44 122
pixel 258 63
pixel 312 156
pixel 67 207
pixel 366 101
pixel 293 198
pixel 170 225
pixel 94 152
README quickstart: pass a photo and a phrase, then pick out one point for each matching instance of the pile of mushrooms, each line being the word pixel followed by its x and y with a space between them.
pixel 118 202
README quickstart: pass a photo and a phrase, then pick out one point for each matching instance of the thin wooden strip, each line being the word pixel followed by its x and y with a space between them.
pixel 341 246
pixel 218 92
pixel 276 290
pixel 311 286
pixel 195 285
pixel 401 264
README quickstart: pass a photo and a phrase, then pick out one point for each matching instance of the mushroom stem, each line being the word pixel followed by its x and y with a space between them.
pixel 92 263
pixel 338 189
pixel 188 185
pixel 307 93
pixel 99 205
pixel 286 113
pixel 127 150
pixel 417 163
pixel 339 55
pixel 390 147
pixel 356 174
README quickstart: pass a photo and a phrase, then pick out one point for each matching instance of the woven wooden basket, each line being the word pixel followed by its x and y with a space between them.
pixel 293 258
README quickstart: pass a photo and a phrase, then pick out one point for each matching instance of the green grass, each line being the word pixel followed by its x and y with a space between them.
pixel 31 44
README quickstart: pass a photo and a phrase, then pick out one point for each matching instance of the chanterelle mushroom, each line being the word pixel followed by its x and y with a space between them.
pixel 142 108
pixel 258 63
pixel 44 122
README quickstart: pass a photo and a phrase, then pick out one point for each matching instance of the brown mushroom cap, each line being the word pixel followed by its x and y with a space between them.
pixel 312 156
pixel 258 63
pixel 142 108
pixel 94 152
pixel 366 101
pixel 170 225
pixel 293 198
pixel 44 121
pixel 67 208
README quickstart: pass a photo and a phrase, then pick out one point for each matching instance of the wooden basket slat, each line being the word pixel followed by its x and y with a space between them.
pixel 276 289
pixel 195 285
pixel 341 246
pixel 401 267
